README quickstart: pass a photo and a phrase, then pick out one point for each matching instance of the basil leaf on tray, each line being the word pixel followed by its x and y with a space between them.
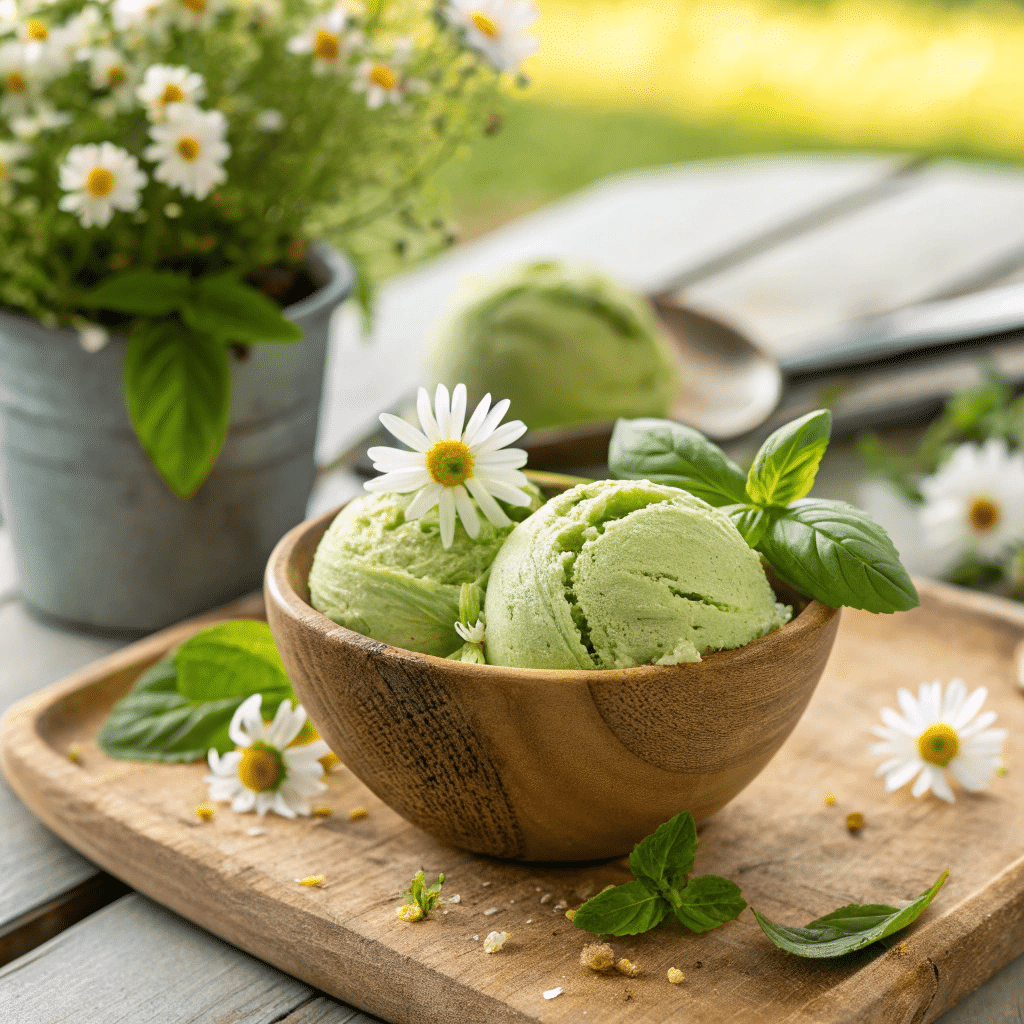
pixel 838 554
pixel 707 902
pixel 787 463
pixel 182 705
pixel 669 453
pixel 847 929
pixel 623 910
pixel 663 860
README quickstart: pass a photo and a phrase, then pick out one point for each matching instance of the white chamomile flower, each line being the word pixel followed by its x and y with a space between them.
pixel 496 28
pixel 42 119
pixel 98 180
pixel 164 85
pixel 265 773
pixel 8 16
pixel 381 78
pixel 146 17
pixel 192 14
pixel 448 465
pixel 11 154
pixel 189 149
pixel 110 70
pixel 78 35
pixel 270 121
pixel 936 733
pixel 17 82
pixel 974 504
pixel 471 634
pixel 329 39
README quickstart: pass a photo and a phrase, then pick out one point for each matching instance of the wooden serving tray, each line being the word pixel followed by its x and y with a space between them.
pixel 790 852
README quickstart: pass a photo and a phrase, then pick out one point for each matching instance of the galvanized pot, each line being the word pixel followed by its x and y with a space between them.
pixel 100 540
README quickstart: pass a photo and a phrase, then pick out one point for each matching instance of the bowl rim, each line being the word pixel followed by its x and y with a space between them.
pixel 279 592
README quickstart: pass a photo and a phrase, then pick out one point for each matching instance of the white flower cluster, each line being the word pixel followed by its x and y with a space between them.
pixel 188 145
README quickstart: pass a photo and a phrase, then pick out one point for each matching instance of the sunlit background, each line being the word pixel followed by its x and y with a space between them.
pixel 628 83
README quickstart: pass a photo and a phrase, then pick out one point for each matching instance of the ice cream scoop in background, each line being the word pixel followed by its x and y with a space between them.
pixel 565 343
pixel 619 573
pixel 391 579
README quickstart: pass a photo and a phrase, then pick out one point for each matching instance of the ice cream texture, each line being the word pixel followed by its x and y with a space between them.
pixel 619 573
pixel 390 579
pixel 565 343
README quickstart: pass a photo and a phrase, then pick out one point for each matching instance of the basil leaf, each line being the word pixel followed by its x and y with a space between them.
pixel 707 902
pixel 670 453
pixel 142 292
pixel 230 310
pixel 625 910
pixel 178 391
pixel 231 659
pixel 847 929
pixel 752 522
pixel 837 554
pixel 154 721
pixel 663 860
pixel 785 467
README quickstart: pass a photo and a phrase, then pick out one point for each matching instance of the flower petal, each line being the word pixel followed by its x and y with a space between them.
pixel 478 417
pixel 467 511
pixel 426 415
pixel 487 428
pixel 899 777
pixel 247 723
pixel 912 712
pixel 446 512
pixel 442 411
pixel 386 459
pixel 887 766
pixel 504 435
pixel 924 781
pixel 506 492
pixel 970 707
pixel 424 501
pixel 970 772
pixel 979 725
pixel 458 410
pixel 490 508
pixel 940 787
pixel 956 693
pixel 899 724
pixel 405 432
pixel 507 458
pixel 287 724
pixel 401 481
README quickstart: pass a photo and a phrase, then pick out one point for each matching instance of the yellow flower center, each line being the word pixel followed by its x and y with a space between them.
pixel 260 769
pixel 195 6
pixel 36 30
pixel 329 760
pixel 116 76
pixel 326 45
pixel 172 94
pixel 188 148
pixel 450 463
pixel 16 82
pixel 938 744
pixel 100 182
pixel 983 514
pixel 484 24
pixel 383 76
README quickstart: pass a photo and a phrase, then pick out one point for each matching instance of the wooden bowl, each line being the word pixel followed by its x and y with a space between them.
pixel 540 764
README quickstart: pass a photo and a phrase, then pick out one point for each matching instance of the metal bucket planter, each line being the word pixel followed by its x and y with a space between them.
pixel 100 540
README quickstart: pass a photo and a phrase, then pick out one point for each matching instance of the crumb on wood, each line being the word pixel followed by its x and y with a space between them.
pixel 204 812
pixel 546 898
pixel 75 753
pixel 495 942
pixel 598 956
pixel 486 884
pixel 311 880
pixel 553 993
pixel 358 813
pixel 627 967
pixel 457 898
pixel 854 822
pixel 830 799
pixel 676 976
pixel 490 911
pixel 561 906
pixel 321 812
pixel 570 914
pixel 410 912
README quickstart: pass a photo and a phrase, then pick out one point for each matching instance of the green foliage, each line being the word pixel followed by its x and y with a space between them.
pixel 182 706
pixel 827 550
pixel 662 863
pixel 421 895
pixel 847 929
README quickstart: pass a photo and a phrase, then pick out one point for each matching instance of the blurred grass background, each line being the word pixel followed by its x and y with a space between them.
pixel 620 84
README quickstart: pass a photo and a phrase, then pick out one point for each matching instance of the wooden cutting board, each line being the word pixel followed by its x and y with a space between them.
pixel 790 852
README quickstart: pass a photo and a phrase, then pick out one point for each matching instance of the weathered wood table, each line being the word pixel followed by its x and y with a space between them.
pixel 788 248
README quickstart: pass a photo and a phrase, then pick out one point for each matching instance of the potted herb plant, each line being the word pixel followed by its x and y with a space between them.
pixel 166 167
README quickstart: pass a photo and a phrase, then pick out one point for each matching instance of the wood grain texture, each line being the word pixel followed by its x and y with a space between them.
pixel 957 222
pixel 791 854
pixel 135 961
pixel 506 761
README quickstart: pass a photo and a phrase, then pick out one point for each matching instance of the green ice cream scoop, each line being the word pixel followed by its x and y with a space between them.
pixel 565 344
pixel 625 572
pixel 391 580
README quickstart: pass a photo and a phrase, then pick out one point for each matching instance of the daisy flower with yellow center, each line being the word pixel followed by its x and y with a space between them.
pixel 17 81
pixel 98 180
pixel 452 467
pixel 189 149
pixel 164 85
pixel 329 39
pixel 974 504
pixel 149 17
pixel 266 772
pixel 496 28
pixel 937 733
pixel 193 14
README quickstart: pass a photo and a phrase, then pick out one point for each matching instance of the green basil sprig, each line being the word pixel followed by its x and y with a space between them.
pixel 177 377
pixel 182 705
pixel 662 863
pixel 828 550
pixel 847 929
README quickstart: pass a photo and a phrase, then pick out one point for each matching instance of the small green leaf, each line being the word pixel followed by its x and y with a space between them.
pixel 178 391
pixel 752 522
pixel 837 554
pixel 231 659
pixel 624 910
pixel 670 453
pixel 232 311
pixel 787 463
pixel 141 292
pixel 663 860
pixel 847 929
pixel 707 902
pixel 154 721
